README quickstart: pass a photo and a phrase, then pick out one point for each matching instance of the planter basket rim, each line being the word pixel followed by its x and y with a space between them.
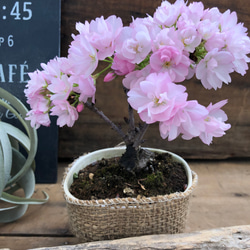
pixel 127 201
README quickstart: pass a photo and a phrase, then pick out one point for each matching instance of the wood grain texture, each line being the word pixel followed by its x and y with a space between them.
pixel 236 237
pixel 90 133
pixel 220 238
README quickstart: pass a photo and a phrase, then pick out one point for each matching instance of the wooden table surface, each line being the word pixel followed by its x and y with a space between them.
pixel 222 199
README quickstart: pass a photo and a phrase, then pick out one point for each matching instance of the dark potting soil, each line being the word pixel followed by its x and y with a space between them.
pixel 107 179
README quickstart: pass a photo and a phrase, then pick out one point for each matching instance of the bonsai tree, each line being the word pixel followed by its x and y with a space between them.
pixel 16 169
pixel 156 56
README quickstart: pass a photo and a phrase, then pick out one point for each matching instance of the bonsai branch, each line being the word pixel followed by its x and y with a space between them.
pixel 93 108
pixel 139 139
pixel 131 118
pixel 135 134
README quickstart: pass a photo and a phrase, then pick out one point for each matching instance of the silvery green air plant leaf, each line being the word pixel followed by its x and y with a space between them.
pixel 16 170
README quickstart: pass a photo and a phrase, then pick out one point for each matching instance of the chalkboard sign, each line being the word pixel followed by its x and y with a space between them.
pixel 30 35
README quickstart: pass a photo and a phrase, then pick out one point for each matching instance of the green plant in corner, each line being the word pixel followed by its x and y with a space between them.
pixel 16 166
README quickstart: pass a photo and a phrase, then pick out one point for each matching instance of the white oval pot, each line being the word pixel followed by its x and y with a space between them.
pixel 92 220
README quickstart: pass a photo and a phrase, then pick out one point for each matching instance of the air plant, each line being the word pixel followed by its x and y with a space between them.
pixel 17 161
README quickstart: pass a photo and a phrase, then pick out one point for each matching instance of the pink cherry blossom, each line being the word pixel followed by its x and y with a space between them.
pixel 157 98
pixel 228 20
pixel 187 26
pixel 60 88
pixel 215 69
pixel 85 87
pixel 216 41
pixel 82 56
pixel 39 103
pixel 35 85
pixel 83 29
pixel 194 120
pixel 215 125
pixel 169 37
pixel 193 124
pixel 194 13
pixel 55 67
pixel 212 14
pixel 134 78
pixel 37 99
pixel 208 29
pixel 148 22
pixel 190 38
pixel 133 44
pixel 39 114
pixel 171 60
pixel 101 33
pixel 188 121
pixel 38 118
pixel 121 66
pixel 238 44
pixel 67 114
pixel 167 14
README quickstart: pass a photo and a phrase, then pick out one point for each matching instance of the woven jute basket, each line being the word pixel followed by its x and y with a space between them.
pixel 94 220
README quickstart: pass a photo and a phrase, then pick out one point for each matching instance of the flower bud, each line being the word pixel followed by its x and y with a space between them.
pixel 109 77
pixel 80 107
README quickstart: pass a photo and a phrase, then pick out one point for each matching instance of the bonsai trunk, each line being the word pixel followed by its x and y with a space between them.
pixel 134 157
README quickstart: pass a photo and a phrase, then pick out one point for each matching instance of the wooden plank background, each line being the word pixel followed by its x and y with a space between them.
pixel 91 133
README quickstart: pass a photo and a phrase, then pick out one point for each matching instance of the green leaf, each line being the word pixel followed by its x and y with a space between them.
pixel 27 183
pixel 6 152
pixel 2 174
pixel 20 168
pixel 17 134
pixel 14 111
pixel 22 200
pixel 20 112
pixel 12 213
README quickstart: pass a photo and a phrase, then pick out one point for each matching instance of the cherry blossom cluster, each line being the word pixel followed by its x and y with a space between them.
pixel 155 55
